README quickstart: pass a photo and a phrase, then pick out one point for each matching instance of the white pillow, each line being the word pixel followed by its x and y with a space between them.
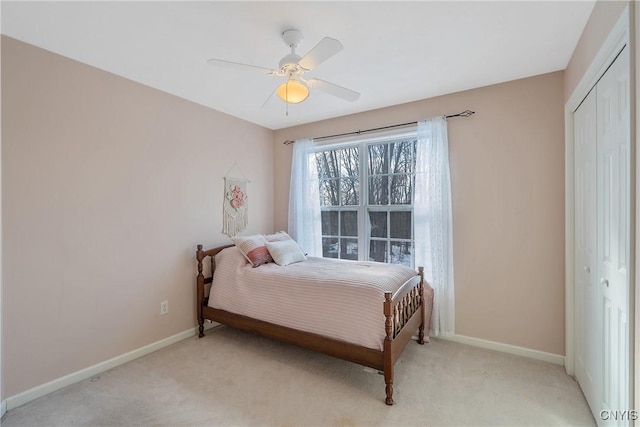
pixel 286 252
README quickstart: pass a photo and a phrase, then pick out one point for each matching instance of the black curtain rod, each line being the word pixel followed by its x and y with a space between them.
pixel 465 113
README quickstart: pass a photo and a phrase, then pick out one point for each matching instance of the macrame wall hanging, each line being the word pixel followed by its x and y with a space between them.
pixel 235 215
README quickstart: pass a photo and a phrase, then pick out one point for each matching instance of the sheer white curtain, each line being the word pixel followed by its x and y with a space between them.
pixel 304 199
pixel 433 220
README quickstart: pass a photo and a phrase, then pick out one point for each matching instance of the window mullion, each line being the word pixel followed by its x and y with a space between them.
pixel 363 223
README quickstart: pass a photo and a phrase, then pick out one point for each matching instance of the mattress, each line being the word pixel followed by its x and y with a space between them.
pixel 338 299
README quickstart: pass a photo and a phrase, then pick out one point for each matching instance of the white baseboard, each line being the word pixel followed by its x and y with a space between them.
pixel 508 348
pixel 41 390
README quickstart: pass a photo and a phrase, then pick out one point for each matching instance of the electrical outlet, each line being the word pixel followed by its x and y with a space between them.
pixel 164 307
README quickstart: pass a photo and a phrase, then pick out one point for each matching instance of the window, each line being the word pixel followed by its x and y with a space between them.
pixel 366 197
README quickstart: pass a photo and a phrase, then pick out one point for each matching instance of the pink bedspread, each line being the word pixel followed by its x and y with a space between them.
pixel 335 298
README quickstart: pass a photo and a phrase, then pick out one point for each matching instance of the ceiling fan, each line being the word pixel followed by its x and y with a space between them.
pixel 292 66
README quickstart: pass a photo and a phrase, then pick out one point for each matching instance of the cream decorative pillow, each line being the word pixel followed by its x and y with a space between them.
pixel 253 248
pixel 286 252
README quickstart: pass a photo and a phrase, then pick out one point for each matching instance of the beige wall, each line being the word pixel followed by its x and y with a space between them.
pixel 603 17
pixel 107 187
pixel 507 172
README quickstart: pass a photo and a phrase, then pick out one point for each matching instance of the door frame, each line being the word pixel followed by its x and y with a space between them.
pixel 619 36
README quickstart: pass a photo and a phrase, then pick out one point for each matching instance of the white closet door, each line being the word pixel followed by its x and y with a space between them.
pixel 602 172
pixel 588 318
pixel 613 199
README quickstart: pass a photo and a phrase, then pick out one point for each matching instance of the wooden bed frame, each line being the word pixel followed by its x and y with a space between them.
pixel 404 314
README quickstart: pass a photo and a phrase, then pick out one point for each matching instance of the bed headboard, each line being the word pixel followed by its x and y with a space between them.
pixel 202 281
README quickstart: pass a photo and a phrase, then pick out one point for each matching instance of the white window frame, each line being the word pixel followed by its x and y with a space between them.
pixel 363 208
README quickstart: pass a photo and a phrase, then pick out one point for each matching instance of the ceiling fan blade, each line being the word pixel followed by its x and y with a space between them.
pixel 333 89
pixel 325 49
pixel 238 66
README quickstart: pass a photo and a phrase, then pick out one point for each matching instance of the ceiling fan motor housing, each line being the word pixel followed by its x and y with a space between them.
pixel 289 64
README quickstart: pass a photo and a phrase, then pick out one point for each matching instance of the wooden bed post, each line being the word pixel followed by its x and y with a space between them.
pixel 422 307
pixel 388 349
pixel 200 292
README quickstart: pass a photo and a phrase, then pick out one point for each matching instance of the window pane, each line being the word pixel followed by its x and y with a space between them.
pixel 328 164
pixel 378 224
pixel 401 156
pixel 329 247
pixel 378 250
pixel 329 223
pixel 378 159
pixel 349 223
pixel 329 192
pixel 400 225
pixel 401 189
pixel 379 190
pixel 402 253
pixel 350 191
pixel 349 249
pixel 349 161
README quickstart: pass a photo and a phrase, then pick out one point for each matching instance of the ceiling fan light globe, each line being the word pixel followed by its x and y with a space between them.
pixel 292 92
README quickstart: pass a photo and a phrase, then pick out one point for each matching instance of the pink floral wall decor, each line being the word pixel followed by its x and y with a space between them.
pixel 236 214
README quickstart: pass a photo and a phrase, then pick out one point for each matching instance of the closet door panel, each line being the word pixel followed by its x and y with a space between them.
pixel 613 200
pixel 588 319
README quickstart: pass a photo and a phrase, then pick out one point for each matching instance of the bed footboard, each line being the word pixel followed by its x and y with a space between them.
pixel 400 308
pixel 404 314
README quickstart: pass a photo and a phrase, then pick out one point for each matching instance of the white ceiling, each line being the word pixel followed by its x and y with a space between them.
pixel 394 52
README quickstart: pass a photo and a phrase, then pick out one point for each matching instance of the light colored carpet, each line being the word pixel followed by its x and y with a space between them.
pixel 236 378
